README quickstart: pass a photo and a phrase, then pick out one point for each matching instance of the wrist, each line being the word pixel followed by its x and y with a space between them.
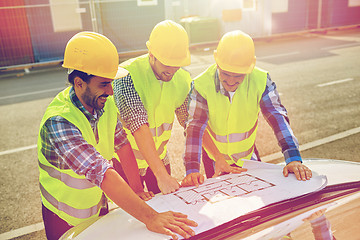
pixel 149 216
pixel 219 157
pixel 162 175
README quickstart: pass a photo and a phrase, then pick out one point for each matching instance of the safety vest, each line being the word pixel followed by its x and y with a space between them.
pixel 160 102
pixel 71 196
pixel 232 125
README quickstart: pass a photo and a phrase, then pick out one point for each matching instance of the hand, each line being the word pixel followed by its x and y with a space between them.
pixel 315 215
pixel 221 166
pixel 167 184
pixel 192 179
pixel 170 223
pixel 145 195
pixel 301 171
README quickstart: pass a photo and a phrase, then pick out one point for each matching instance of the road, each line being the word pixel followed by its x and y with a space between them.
pixel 317 76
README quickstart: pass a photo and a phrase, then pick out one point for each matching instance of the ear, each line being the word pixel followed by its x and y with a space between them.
pixel 78 83
pixel 151 57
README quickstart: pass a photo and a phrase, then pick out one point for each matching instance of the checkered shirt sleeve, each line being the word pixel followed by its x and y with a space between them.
pixel 195 127
pixel 129 103
pixel 64 147
pixel 276 115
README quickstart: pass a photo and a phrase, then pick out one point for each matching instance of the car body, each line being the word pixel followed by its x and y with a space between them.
pixel 338 204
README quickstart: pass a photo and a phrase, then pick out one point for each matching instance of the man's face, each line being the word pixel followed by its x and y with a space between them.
pixel 161 71
pixel 229 80
pixel 95 93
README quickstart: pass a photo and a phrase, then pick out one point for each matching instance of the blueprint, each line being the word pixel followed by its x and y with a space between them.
pixel 227 187
pixel 215 202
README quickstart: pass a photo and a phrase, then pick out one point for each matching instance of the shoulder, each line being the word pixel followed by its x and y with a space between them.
pixel 134 61
pixel 56 124
pixel 124 84
pixel 184 75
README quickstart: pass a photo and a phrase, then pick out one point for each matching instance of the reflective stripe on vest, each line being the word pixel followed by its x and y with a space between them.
pixel 160 130
pixel 69 195
pixel 233 137
pixel 74 212
pixel 160 102
pixel 232 125
pixel 78 183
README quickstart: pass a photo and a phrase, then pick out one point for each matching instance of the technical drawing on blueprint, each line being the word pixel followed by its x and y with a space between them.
pixel 229 186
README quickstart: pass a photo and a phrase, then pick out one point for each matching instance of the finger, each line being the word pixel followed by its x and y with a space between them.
pixel 149 195
pixel 194 179
pixel 181 229
pixel 308 173
pixel 187 221
pixel 302 173
pixel 152 194
pixel 238 170
pixel 175 229
pixel 145 197
pixel 285 171
pixel 201 179
pixel 142 196
pixel 297 174
pixel 170 233
pixel 305 173
pixel 185 182
pixel 178 214
pixel 183 218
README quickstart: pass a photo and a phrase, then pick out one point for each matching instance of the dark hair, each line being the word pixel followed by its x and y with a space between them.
pixel 84 76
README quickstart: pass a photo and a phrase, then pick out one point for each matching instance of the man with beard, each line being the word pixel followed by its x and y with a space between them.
pixel 78 136
pixel 148 97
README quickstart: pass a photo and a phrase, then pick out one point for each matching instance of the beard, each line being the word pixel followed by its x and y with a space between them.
pixel 91 100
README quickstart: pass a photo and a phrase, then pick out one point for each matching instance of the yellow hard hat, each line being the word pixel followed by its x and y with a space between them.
pixel 94 54
pixel 236 53
pixel 169 43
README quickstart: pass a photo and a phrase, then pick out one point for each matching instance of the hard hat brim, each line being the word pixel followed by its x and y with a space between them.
pixel 122 72
pixel 232 67
pixel 174 62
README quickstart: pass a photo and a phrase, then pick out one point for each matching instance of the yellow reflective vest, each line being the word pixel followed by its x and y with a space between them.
pixel 69 195
pixel 160 102
pixel 232 125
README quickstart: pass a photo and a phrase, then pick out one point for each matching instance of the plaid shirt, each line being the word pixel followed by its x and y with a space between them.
pixel 133 112
pixel 272 109
pixel 64 146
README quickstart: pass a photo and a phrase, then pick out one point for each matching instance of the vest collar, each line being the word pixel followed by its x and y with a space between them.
pixel 219 86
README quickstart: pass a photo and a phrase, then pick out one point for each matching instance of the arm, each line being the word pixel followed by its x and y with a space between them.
pixel 146 145
pixel 276 115
pixel 134 114
pixel 70 150
pixel 195 126
pixel 167 223
pixel 320 225
pixel 129 164
pixel 66 148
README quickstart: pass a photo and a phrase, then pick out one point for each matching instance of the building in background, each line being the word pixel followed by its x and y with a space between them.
pixel 36 31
